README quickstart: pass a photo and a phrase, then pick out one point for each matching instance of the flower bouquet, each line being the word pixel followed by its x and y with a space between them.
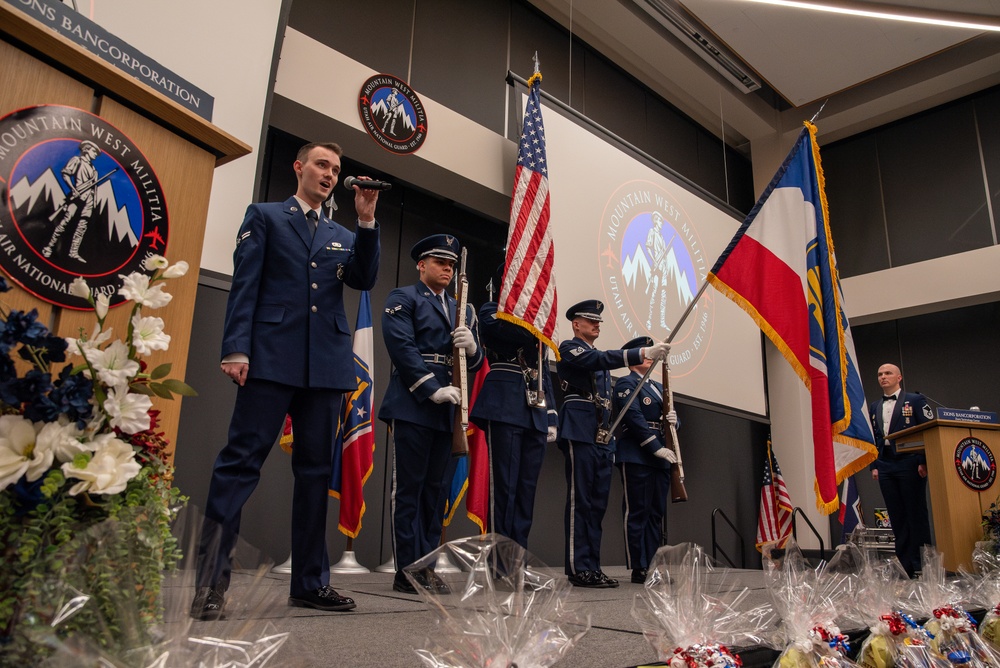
pixel 85 497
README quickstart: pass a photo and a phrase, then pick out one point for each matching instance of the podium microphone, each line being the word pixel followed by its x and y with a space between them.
pixel 367 184
pixel 930 399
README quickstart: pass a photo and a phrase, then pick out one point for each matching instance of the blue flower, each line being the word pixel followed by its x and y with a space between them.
pixel 71 397
pixel 3 284
pixel 22 327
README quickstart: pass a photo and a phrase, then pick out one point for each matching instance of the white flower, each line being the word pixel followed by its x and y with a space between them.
pixel 113 365
pixel 155 262
pixel 62 439
pixel 147 334
pixel 128 411
pixel 19 451
pixel 109 469
pixel 96 339
pixel 79 288
pixel 135 287
pixel 101 306
pixel 177 270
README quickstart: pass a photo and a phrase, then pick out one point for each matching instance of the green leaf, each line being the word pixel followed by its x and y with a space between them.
pixel 161 371
pixel 180 387
pixel 141 388
pixel 160 390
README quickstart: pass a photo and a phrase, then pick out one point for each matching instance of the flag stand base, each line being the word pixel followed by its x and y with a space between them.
pixel 348 565
pixel 444 564
pixel 387 567
pixel 285 568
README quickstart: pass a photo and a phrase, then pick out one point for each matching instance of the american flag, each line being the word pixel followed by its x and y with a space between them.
pixel 775 522
pixel 528 293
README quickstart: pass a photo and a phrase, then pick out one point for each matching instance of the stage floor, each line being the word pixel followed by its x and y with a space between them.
pixel 387 626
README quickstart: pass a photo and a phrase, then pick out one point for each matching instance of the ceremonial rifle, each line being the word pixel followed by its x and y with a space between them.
pixel 460 373
pixel 678 493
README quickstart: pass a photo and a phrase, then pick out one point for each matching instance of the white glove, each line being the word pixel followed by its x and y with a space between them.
pixel 657 351
pixel 668 454
pixel 462 337
pixel 448 394
pixel 552 434
pixel 672 418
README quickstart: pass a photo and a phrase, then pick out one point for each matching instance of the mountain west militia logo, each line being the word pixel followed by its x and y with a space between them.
pixel 77 198
pixel 975 464
pixel 392 114
pixel 651 267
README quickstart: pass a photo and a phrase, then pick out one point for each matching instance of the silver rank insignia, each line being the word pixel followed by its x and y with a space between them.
pixel 928 413
pixel 241 237
pixel 393 310
pixel 577 351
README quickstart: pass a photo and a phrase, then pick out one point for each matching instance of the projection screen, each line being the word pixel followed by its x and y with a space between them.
pixel 642 241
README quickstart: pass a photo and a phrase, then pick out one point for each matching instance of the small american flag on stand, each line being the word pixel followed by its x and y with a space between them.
pixel 775 521
pixel 528 294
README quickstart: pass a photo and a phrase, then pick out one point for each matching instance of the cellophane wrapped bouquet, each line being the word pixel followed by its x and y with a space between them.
pixel 689 615
pixel 985 590
pixel 951 630
pixel 504 608
pixel 808 602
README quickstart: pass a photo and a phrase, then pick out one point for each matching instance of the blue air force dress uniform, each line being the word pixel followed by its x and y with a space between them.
pixel 583 375
pixel 645 477
pixel 286 311
pixel 516 431
pixel 902 487
pixel 418 337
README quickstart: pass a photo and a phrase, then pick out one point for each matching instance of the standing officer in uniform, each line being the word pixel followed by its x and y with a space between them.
pixel 419 335
pixel 584 437
pixel 901 477
pixel 516 425
pixel 287 345
pixel 644 462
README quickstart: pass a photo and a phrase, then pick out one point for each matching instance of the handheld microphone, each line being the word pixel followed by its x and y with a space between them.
pixel 369 184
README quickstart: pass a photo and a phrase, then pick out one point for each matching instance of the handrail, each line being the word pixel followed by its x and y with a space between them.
pixel 715 543
pixel 796 512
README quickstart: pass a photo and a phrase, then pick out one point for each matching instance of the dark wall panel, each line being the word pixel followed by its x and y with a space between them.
pixel 857 218
pixel 933 184
pixel 460 57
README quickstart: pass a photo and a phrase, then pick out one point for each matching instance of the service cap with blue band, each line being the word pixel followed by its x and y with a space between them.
pixel 443 246
pixel 638 342
pixel 590 309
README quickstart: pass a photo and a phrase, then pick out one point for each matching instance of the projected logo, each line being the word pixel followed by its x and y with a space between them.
pixel 77 198
pixel 392 114
pixel 652 265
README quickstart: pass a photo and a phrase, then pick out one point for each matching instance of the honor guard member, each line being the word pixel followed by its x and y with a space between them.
pixel 419 402
pixel 584 436
pixel 644 461
pixel 516 424
pixel 902 477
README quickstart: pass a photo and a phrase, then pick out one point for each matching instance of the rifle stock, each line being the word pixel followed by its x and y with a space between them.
pixel 678 492
pixel 460 375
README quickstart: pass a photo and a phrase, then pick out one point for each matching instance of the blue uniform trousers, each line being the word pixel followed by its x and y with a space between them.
pixel 644 504
pixel 420 461
pixel 904 493
pixel 258 418
pixel 588 483
pixel 516 455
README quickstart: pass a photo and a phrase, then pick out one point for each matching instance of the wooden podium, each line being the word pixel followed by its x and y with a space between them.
pixel 957 508
pixel 40 67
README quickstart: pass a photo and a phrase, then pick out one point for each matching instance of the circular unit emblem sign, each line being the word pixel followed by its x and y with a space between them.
pixel 392 114
pixel 77 198
pixel 975 464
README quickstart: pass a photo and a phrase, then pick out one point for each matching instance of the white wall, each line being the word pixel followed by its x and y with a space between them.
pixel 224 47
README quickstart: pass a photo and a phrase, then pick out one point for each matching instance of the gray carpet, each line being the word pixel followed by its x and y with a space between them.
pixel 387 627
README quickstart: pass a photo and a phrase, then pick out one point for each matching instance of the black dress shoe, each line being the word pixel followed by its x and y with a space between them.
pixel 639 575
pixel 325 598
pixel 587 579
pixel 209 604
pixel 610 583
pixel 435 583
pixel 402 585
